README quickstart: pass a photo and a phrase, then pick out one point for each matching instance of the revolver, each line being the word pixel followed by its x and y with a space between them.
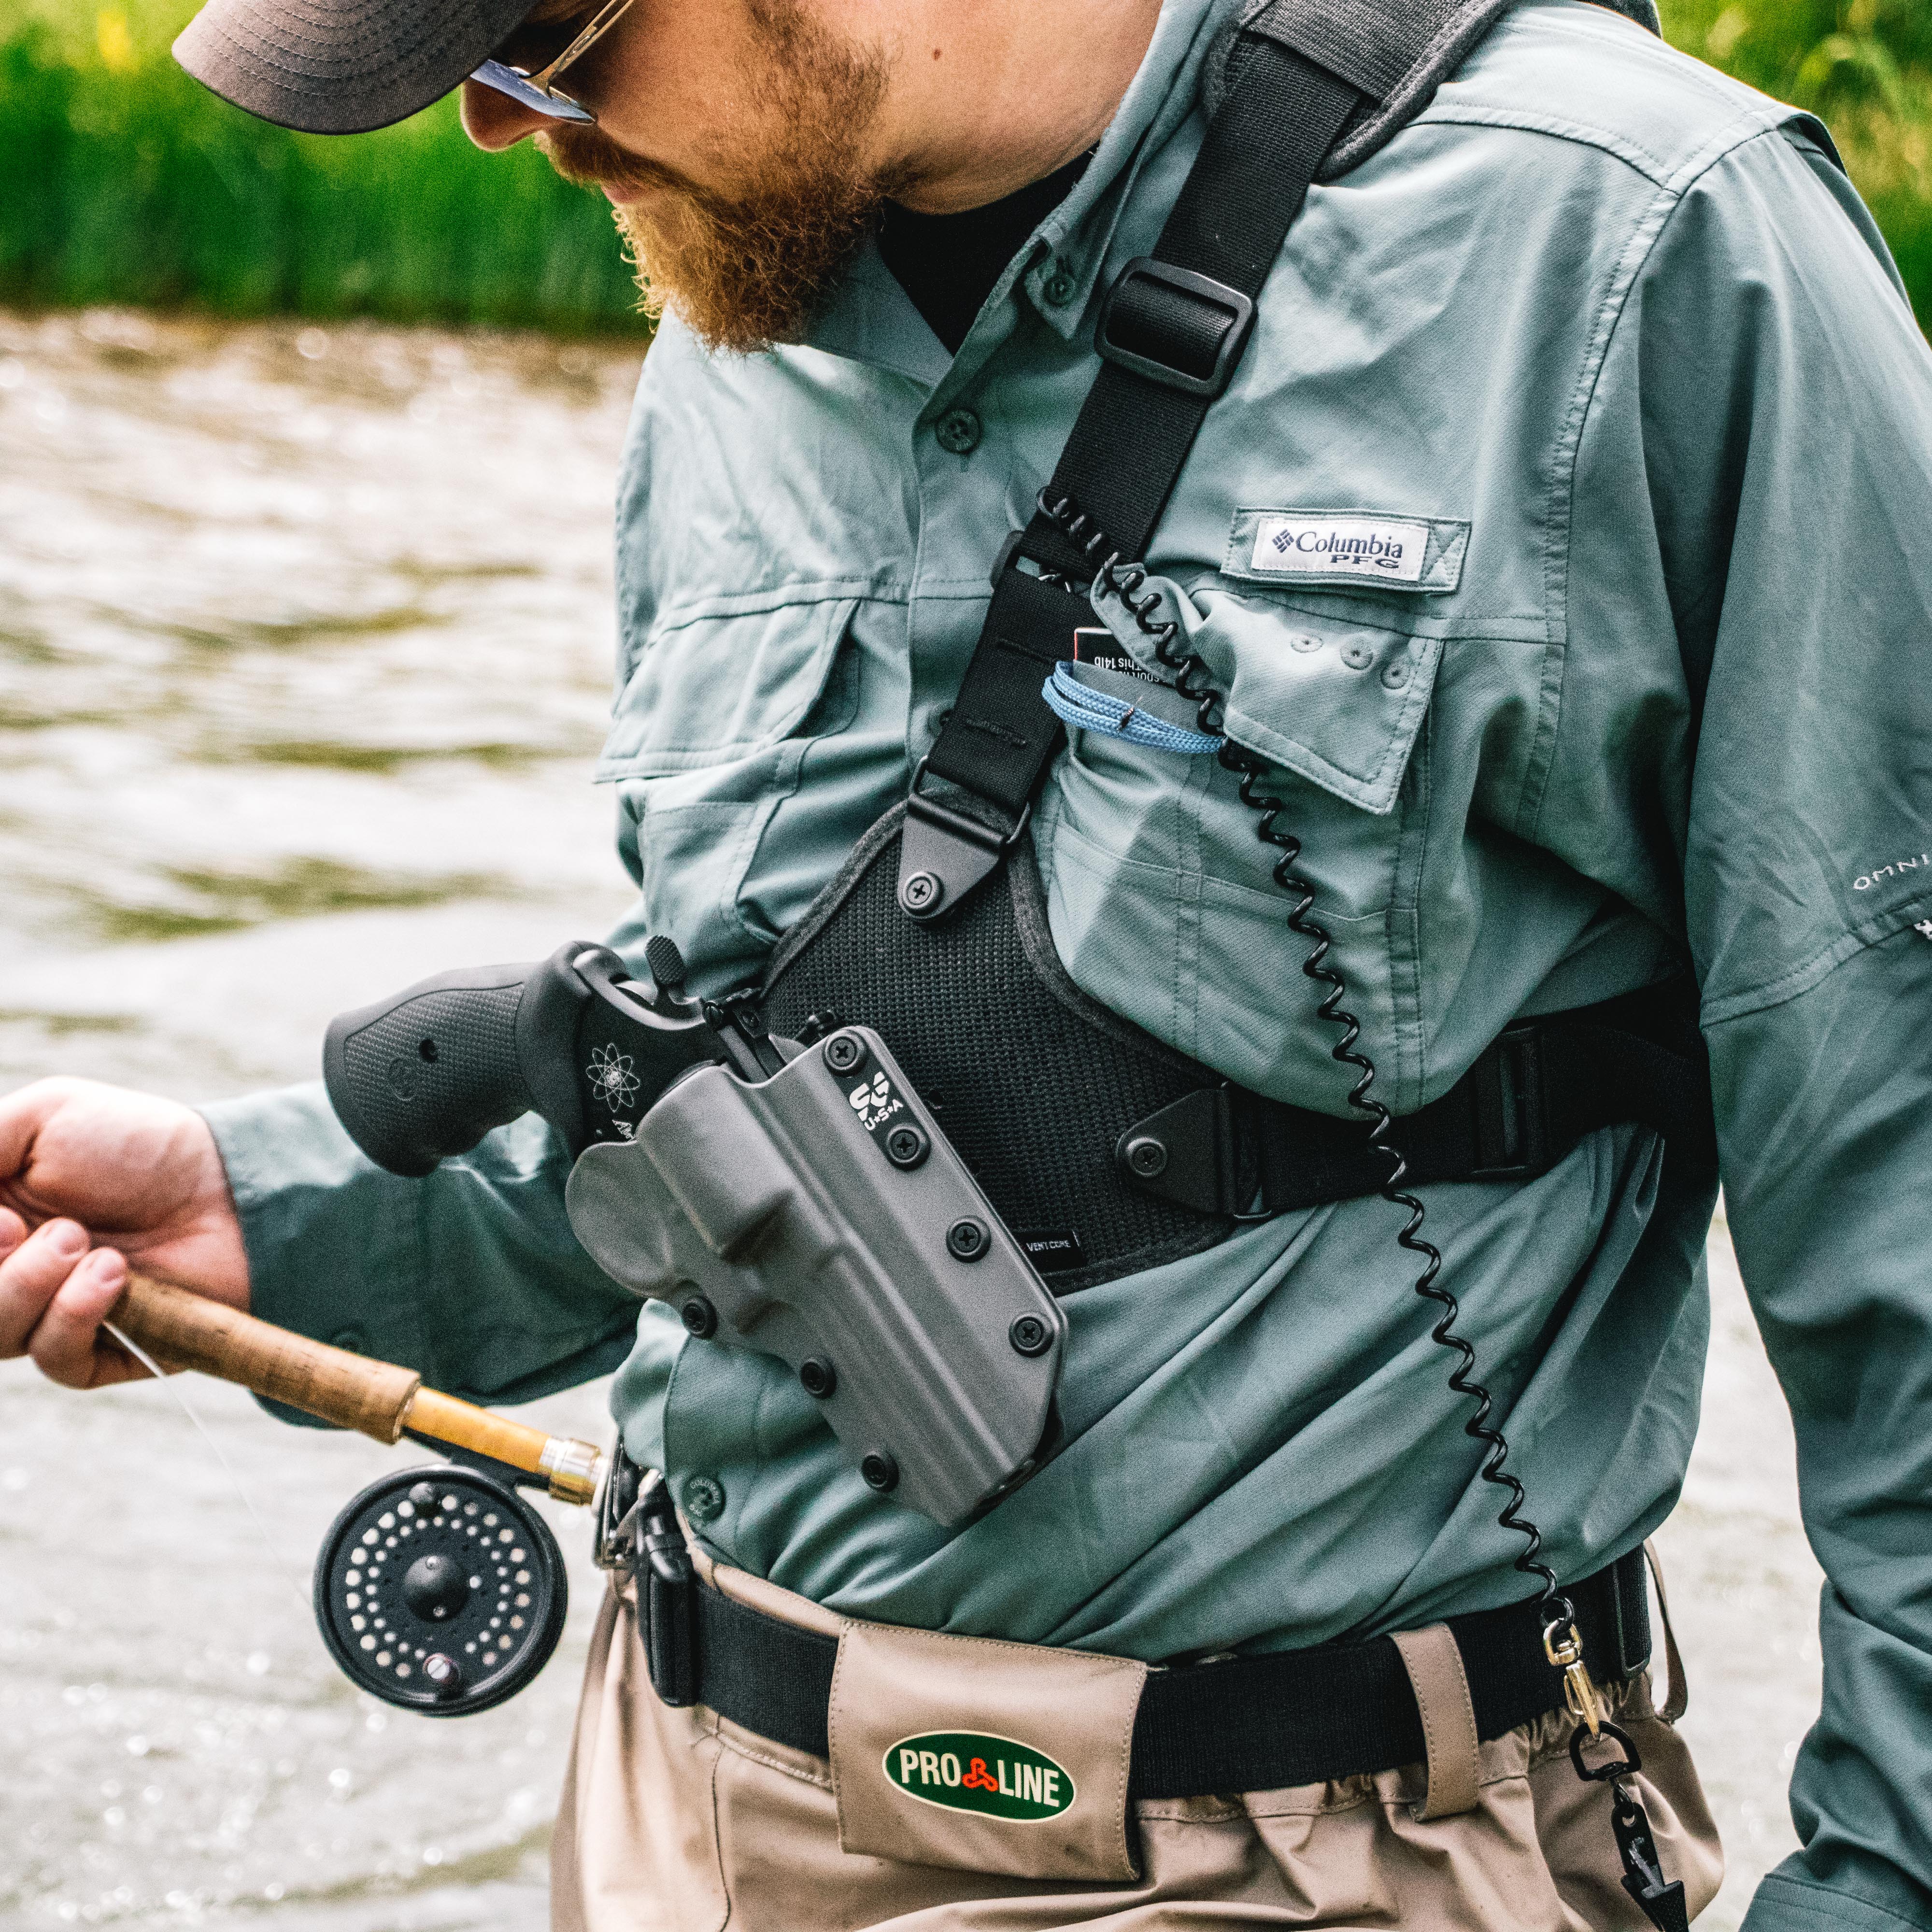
pixel 798 1200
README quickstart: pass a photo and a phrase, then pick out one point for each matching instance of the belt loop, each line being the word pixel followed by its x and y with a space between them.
pixel 1677 1699
pixel 1435 1675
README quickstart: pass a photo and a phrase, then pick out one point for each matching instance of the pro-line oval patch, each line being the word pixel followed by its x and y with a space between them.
pixel 971 1771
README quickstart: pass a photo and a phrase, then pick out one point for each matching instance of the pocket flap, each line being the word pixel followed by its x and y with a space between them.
pixel 983 1755
pixel 707 689
pixel 1339 704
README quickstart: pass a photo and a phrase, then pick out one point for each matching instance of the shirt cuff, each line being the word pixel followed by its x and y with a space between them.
pixel 1787 1904
pixel 333 1242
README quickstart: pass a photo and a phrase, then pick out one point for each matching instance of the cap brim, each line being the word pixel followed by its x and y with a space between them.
pixel 341 67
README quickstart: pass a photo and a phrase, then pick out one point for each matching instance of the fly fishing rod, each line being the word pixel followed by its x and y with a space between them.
pixel 438 1589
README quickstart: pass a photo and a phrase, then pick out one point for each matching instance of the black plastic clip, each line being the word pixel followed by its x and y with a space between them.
pixel 1512 1121
pixel 667 1603
pixel 1660 1900
pixel 1604 1773
pixel 1155 314
pixel 944 853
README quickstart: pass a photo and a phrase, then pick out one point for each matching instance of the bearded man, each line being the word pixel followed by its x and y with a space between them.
pixel 1448 730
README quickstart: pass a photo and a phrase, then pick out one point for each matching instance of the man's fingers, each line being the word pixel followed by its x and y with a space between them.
pixel 30 1275
pixel 66 1345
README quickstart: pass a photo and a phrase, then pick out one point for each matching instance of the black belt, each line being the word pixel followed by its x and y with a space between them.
pixel 1248 1723
pixel 1528 1098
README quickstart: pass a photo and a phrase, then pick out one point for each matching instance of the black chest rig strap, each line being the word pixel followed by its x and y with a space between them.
pixel 1106 1152
pixel 1172 330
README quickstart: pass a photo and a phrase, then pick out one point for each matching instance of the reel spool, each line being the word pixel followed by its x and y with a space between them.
pixel 441 1591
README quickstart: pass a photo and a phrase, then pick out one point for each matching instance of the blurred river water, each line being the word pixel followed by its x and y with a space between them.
pixel 305 639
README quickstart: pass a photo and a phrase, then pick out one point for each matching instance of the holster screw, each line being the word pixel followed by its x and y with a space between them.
pixel 966 1239
pixel 844 1051
pixel 906 1146
pixel 1146 1156
pixel 699 1316
pixel 879 1471
pixel 921 893
pixel 1030 1335
pixel 818 1377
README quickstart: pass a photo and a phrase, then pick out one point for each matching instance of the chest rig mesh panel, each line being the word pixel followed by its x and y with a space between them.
pixel 1032 1081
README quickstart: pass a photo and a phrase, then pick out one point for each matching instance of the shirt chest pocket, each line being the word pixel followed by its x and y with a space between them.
pixel 1159 885
pixel 709 733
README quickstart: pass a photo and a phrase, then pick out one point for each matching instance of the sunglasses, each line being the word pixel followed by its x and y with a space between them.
pixel 526 66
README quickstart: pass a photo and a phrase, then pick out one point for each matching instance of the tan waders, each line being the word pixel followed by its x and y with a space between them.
pixel 974 1785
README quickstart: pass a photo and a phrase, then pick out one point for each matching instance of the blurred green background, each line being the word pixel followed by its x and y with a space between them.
pixel 121 181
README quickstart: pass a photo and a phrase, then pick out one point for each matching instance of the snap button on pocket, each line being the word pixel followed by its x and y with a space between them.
pixel 703 1498
pixel 1301 641
pixel 1396 675
pixel 1357 657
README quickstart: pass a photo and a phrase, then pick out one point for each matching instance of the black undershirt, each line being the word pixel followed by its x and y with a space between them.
pixel 948 263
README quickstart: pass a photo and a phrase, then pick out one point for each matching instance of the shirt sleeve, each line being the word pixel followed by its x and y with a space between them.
pixel 1785 439
pixel 472 1276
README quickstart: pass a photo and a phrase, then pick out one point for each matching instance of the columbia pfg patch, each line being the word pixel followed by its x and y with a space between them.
pixel 970 1770
pixel 1357 548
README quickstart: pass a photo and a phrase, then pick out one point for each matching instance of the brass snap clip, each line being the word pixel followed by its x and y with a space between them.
pixel 1564 1649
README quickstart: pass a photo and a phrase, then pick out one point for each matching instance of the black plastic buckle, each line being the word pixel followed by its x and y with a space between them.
pixel 1189 1153
pixel 1512 1133
pixel 667 1606
pixel 1236 309
pixel 944 853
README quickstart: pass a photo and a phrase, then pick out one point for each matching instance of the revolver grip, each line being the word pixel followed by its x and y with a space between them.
pixel 427 1074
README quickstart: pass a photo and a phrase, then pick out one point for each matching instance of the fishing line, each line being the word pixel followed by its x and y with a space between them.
pixel 168 1382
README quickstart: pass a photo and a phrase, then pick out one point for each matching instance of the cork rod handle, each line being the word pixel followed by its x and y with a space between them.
pixel 182 1331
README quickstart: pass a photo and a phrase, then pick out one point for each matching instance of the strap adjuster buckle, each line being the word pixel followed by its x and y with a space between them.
pixel 1512 1120
pixel 1143 326
pixel 945 853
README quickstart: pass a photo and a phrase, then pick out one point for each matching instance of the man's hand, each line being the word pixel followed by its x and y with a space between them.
pixel 82 1163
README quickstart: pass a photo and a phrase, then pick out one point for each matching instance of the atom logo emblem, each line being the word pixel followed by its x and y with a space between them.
pixel 611 1079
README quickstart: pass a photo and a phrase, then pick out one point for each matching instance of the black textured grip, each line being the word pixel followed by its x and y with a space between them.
pixel 427 1074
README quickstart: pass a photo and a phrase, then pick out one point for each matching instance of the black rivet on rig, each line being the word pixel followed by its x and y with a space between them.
pixel 879 1471
pixel 844 1051
pixel 435 1588
pixel 906 1146
pixel 966 1239
pixel 444 1675
pixel 921 893
pixel 1030 1335
pixel 818 1377
pixel 698 1315
pixel 426 1050
pixel 1146 1156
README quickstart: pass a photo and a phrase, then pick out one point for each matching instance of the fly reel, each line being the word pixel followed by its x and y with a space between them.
pixel 441 1591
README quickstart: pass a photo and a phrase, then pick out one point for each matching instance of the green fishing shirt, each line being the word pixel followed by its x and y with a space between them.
pixel 1606 348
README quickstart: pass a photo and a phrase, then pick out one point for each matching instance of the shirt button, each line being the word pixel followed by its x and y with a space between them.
pixel 1059 288
pixel 958 430
pixel 353 1339
pixel 703 1498
pixel 1396 675
pixel 1357 657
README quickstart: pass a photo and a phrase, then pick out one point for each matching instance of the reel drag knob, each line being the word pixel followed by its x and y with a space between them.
pixel 440 1591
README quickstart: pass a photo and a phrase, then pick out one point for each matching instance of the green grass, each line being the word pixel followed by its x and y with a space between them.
pixel 1865 67
pixel 122 181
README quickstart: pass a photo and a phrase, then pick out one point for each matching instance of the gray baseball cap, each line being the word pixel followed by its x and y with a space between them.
pixel 344 66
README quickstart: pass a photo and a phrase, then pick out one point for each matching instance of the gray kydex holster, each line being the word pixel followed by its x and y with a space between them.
pixel 820 1216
